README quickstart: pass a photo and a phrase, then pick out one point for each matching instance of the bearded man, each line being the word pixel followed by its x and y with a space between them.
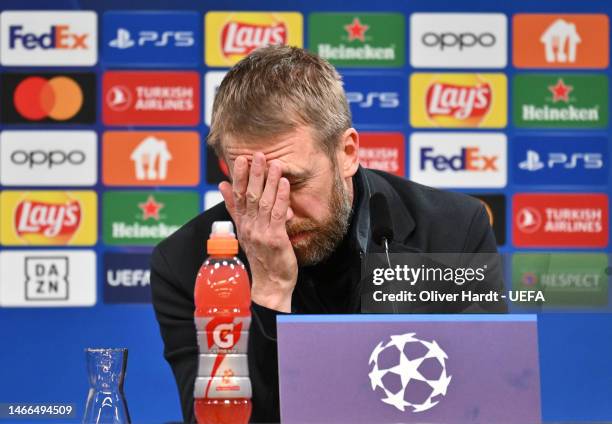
pixel 299 201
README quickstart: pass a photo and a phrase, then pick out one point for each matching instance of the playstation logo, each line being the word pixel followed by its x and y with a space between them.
pixel 123 40
pixel 532 163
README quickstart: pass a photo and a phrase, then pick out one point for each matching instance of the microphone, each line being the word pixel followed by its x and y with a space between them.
pixel 380 221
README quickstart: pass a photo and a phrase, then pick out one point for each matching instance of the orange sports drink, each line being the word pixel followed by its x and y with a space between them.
pixel 222 392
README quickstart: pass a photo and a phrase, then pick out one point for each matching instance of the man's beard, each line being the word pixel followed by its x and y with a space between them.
pixel 322 239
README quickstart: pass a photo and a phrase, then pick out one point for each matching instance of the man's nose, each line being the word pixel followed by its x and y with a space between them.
pixel 290 213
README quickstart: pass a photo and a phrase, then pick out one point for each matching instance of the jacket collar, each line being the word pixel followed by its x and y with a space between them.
pixel 403 223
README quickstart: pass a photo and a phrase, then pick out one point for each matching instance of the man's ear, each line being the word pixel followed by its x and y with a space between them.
pixel 348 153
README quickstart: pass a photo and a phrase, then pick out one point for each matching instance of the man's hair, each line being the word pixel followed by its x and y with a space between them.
pixel 274 90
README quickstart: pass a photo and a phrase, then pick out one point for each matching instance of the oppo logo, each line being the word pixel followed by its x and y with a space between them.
pixel 49 158
pixel 461 40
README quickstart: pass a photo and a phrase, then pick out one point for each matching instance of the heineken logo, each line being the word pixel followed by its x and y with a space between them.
pixel 145 218
pixel 548 101
pixel 560 91
pixel 367 39
pixel 356 30
pixel 150 208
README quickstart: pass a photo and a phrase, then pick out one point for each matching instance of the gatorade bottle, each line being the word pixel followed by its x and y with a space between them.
pixel 222 392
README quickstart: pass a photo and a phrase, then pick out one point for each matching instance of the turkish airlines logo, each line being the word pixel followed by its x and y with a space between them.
pixel 38 38
pixel 528 220
pixel 383 151
pixel 118 98
pixel 151 98
pixel 560 220
pixel 242 38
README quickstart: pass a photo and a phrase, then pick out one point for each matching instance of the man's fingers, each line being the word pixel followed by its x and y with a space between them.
pixel 228 197
pixel 239 184
pixel 255 184
pixel 268 197
pixel 278 216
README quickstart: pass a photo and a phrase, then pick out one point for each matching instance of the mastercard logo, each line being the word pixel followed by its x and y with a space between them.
pixel 59 98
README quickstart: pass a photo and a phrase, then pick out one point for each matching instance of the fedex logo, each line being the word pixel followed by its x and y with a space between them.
pixel 47 38
pixel 469 159
pixel 58 37
pixel 458 160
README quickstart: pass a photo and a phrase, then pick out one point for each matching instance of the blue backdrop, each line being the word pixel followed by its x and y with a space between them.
pixel 41 353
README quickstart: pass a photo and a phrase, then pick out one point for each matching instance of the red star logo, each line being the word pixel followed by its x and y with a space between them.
pixel 356 30
pixel 150 208
pixel 560 91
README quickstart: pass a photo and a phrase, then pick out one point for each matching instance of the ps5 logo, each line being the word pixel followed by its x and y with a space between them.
pixel 124 40
pixel 558 159
pixel 387 100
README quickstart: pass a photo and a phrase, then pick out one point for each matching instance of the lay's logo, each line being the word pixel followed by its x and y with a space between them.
pixel 242 38
pixel 45 38
pixel 468 103
pixel 230 36
pixel 458 100
pixel 48 218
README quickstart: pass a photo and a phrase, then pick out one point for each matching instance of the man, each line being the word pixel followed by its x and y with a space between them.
pixel 300 204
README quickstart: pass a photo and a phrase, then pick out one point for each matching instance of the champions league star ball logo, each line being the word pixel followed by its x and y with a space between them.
pixel 409 372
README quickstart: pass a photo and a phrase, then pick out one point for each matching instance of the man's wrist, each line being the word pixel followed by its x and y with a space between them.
pixel 276 302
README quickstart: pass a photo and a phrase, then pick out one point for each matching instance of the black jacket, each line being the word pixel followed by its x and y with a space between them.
pixel 423 220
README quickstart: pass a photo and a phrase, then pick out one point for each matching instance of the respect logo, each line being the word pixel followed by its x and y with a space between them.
pixel 48 98
pixel 48 38
pixel 458 100
pixel 230 36
pixel 54 218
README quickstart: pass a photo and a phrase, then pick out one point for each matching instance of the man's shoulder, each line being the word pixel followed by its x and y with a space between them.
pixel 434 220
pixel 427 201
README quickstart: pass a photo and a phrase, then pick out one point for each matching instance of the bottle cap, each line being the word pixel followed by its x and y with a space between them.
pixel 222 239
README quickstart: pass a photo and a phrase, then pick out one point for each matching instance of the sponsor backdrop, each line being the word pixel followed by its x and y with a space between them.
pixel 103 116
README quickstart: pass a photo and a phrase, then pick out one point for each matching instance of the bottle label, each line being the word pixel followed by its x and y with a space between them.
pixel 214 365
pixel 227 386
pixel 212 323
pixel 223 343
